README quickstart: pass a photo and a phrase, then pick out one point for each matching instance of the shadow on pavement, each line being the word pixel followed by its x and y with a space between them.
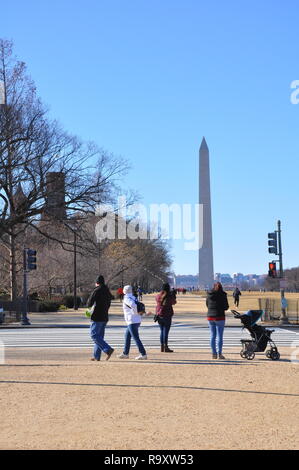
pixel 178 363
pixel 167 387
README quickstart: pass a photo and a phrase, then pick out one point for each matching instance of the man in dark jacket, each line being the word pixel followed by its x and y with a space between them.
pixel 236 296
pixel 217 304
pixel 100 301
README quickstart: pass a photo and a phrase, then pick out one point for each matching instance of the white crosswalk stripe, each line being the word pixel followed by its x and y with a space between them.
pixel 184 336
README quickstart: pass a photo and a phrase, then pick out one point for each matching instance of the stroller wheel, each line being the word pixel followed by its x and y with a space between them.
pixel 275 356
pixel 243 354
pixel 250 356
pixel 268 354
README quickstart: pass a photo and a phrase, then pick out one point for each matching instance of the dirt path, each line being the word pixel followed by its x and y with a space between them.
pixel 58 399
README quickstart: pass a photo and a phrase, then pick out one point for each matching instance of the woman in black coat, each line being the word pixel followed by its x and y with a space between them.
pixel 100 301
pixel 217 304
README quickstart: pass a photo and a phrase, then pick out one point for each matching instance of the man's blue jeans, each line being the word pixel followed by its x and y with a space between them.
pixel 216 329
pixel 97 332
pixel 164 324
pixel 132 331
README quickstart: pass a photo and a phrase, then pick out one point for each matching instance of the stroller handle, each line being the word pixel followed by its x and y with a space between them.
pixel 236 314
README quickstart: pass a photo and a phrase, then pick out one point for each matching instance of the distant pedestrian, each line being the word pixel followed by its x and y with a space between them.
pixel 139 292
pixel 236 296
pixel 217 304
pixel 133 321
pixel 135 292
pixel 120 293
pixel 164 311
pixel 100 301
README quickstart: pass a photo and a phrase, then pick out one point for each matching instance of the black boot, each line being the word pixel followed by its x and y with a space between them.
pixel 162 347
pixel 167 349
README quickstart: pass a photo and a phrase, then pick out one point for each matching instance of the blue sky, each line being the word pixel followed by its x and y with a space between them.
pixel 148 79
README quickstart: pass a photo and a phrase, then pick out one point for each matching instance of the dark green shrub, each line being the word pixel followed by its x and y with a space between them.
pixel 48 306
pixel 68 301
pixel 34 296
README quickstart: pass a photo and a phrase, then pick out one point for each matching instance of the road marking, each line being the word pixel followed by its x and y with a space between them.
pixel 181 337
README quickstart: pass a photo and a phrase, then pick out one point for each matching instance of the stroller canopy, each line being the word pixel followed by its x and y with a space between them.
pixel 251 317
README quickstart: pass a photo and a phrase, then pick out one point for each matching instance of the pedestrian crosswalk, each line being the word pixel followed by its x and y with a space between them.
pixel 182 336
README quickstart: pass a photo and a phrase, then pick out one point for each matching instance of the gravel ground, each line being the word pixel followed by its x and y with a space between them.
pixel 59 399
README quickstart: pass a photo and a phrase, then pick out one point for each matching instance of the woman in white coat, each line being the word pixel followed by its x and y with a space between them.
pixel 133 321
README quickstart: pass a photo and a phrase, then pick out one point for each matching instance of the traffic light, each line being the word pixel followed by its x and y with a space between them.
pixel 272 270
pixel 272 243
pixel 31 259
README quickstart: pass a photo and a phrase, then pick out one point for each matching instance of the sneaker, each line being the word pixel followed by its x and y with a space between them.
pixel 220 356
pixel 123 356
pixel 109 354
pixel 94 359
pixel 214 356
pixel 141 357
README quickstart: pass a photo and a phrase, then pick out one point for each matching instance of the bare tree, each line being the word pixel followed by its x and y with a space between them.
pixel 121 260
pixel 32 148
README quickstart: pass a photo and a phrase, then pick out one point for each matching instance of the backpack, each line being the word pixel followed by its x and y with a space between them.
pixel 140 307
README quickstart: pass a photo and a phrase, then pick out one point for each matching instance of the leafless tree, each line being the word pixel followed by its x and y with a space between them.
pixel 121 261
pixel 32 147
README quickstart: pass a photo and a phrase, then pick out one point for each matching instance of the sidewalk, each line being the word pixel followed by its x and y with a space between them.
pixel 189 309
pixel 71 319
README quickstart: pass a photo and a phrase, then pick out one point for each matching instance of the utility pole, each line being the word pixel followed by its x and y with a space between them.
pixel 99 255
pixel 75 270
pixel 28 256
pixel 25 291
pixel 284 319
pixel 275 247
pixel 73 227
pixel 280 249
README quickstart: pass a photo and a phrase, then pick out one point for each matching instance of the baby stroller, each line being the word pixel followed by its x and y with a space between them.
pixel 259 334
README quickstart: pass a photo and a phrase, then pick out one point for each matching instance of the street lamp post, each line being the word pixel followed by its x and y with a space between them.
pixel 75 270
pixel 25 320
pixel 99 255
pixel 73 227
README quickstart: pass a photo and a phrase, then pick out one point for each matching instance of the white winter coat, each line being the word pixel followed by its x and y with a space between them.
pixel 130 310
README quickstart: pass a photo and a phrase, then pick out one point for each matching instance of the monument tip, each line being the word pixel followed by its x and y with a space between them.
pixel 203 144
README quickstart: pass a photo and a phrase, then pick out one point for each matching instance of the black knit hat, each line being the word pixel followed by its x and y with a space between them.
pixel 166 287
pixel 100 280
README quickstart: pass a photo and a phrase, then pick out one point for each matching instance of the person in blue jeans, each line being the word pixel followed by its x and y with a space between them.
pixel 100 301
pixel 133 321
pixel 164 311
pixel 217 330
pixel 217 304
pixel 97 333
pixel 165 325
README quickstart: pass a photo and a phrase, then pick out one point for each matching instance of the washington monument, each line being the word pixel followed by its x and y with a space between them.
pixel 206 268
